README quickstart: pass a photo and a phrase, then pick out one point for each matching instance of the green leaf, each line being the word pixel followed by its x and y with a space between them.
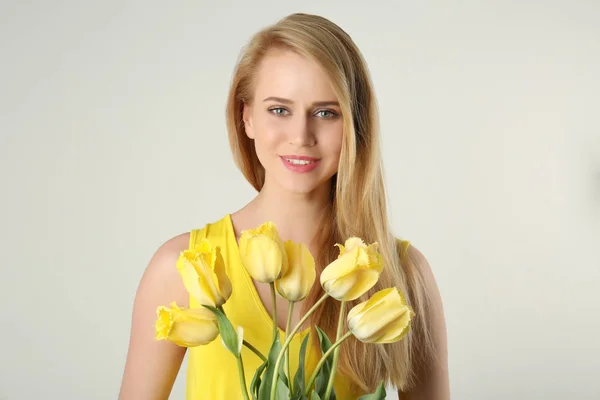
pixel 227 332
pixel 315 396
pixel 323 375
pixel 264 391
pixel 299 384
pixel 255 384
pixel 282 374
pixel 378 395
pixel 282 393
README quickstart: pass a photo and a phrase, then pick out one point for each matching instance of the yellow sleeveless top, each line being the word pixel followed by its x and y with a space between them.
pixel 212 372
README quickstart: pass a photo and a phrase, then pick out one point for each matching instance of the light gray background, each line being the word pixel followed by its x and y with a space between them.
pixel 113 140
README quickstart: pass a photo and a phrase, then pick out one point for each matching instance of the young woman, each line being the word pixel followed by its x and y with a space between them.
pixel 303 129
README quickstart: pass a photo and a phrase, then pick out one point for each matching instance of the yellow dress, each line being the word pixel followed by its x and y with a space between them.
pixel 212 372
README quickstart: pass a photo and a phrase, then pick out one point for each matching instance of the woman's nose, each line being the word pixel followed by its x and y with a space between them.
pixel 302 133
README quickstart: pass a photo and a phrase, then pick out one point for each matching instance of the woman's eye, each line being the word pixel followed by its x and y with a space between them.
pixel 279 111
pixel 326 114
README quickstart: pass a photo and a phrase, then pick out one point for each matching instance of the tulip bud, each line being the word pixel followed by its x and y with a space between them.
pixel 240 336
pixel 300 276
pixel 354 272
pixel 384 318
pixel 186 327
pixel 263 254
pixel 203 271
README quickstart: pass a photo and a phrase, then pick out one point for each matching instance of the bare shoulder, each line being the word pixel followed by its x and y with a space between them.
pixel 434 384
pixel 421 262
pixel 431 285
pixel 161 275
pixel 152 366
pixel 169 250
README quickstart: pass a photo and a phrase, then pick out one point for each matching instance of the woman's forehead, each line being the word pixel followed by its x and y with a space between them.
pixel 286 74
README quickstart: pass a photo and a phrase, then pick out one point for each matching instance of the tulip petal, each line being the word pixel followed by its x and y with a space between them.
pixel 342 249
pixel 363 280
pixel 393 331
pixel 207 279
pixel 373 300
pixel 354 272
pixel 341 266
pixel 186 327
pixel 223 282
pixel 262 258
pixel 189 275
pixel 353 243
pixel 297 282
pixel 399 327
pixel 214 279
pixel 359 310
pixel 270 230
pixel 204 276
pixel 350 276
pixel 364 259
pixel 200 281
pixel 384 318
pixel 240 336
pixel 164 322
pixel 338 288
pixel 194 334
pixel 376 317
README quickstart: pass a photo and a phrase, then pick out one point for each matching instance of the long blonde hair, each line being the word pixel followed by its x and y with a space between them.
pixel 358 196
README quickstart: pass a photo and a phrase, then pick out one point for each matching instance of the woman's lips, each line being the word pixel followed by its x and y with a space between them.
pixel 300 163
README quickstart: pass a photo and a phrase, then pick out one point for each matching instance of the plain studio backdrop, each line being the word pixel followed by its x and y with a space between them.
pixel 113 140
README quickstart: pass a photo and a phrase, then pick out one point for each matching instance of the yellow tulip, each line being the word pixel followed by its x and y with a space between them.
pixel 384 318
pixel 355 271
pixel 203 271
pixel 186 327
pixel 240 335
pixel 263 253
pixel 300 276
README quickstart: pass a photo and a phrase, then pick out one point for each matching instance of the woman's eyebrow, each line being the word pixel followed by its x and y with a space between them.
pixel 316 103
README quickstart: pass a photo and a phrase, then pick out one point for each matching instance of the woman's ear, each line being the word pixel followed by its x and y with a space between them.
pixel 247 118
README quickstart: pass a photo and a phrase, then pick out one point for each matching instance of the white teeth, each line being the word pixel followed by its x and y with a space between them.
pixel 299 162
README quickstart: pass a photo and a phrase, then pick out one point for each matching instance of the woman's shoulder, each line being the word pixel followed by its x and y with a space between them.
pixel 435 381
pixel 410 253
pixel 161 273
pixel 173 246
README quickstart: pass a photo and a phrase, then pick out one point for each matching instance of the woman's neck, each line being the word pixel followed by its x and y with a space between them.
pixel 297 216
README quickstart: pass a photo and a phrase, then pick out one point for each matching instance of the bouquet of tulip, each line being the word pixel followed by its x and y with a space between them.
pixel 289 269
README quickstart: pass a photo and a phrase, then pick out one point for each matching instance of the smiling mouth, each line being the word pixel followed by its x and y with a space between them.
pixel 299 162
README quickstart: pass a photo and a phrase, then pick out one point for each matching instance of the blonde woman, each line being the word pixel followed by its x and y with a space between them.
pixel 303 129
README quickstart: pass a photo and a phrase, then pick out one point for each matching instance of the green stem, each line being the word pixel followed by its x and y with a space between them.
pixel 255 351
pixel 313 377
pixel 248 345
pixel 287 351
pixel 242 378
pixel 287 343
pixel 274 299
pixel 336 353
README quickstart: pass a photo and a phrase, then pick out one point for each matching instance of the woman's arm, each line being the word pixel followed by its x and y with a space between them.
pixel 433 382
pixel 152 366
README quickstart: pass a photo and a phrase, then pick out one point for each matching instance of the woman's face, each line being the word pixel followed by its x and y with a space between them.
pixel 295 122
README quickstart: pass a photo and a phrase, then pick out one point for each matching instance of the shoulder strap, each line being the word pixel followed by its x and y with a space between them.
pixel 216 232
pixel 404 245
pixel 196 235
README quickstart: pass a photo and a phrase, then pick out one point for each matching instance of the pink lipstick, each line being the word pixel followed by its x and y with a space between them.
pixel 300 163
